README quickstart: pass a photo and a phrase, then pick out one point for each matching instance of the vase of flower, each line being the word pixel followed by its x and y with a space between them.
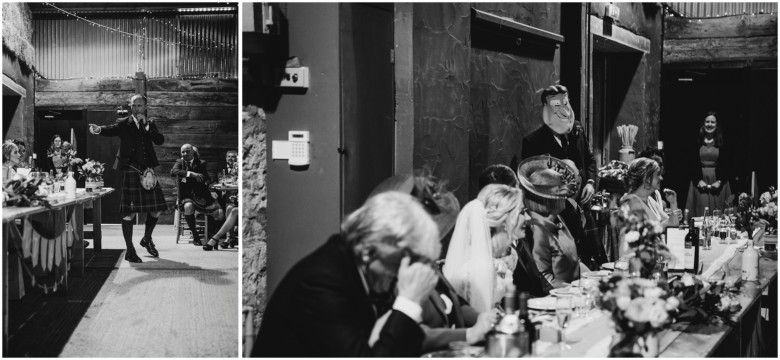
pixel 91 184
pixel 626 154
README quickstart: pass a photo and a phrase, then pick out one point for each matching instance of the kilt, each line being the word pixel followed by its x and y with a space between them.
pixel 202 201
pixel 135 199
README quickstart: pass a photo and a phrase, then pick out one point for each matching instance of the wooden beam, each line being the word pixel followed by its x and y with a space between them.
pixel 612 38
pixel 168 98
pixel 70 99
pixel 10 87
pixel 203 141
pixel 746 64
pixel 729 26
pixel 204 85
pixel 197 126
pixel 194 112
pixel 762 48
pixel 404 88
pixel 85 85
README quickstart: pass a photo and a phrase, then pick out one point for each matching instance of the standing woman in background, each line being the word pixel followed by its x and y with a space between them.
pixel 710 185
pixel 57 156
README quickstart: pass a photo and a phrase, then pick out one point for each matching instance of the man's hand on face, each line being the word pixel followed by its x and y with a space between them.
pixel 587 192
pixel 415 281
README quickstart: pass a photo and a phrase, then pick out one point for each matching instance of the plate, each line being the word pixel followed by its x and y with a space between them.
pixel 544 303
pixel 608 266
pixel 569 290
pixel 601 274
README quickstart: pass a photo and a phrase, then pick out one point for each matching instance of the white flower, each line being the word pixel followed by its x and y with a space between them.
pixel 653 293
pixel 657 314
pixel 687 280
pixel 632 236
pixel 672 303
pixel 623 302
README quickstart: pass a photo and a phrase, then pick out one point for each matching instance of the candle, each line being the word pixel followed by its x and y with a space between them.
pixel 660 145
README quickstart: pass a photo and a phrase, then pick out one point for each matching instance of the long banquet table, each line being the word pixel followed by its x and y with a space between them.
pixel 592 337
pixel 14 288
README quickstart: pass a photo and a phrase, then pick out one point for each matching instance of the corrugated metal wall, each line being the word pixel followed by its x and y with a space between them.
pixel 709 9
pixel 182 46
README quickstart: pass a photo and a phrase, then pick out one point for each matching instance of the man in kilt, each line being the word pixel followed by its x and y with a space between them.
pixel 136 155
pixel 194 192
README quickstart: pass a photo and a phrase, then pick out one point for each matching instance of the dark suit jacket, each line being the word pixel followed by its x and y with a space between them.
pixel 527 276
pixel 542 141
pixel 129 135
pixel 192 187
pixel 321 309
pixel 440 328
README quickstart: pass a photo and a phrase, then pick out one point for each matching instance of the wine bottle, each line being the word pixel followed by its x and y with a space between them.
pixel 34 168
pixel 691 248
pixel 705 227
pixel 526 337
pixel 70 186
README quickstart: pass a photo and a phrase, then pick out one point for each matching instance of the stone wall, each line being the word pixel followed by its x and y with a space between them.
pixel 253 208
pixel 18 67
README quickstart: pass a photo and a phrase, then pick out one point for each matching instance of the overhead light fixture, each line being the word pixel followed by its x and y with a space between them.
pixel 685 79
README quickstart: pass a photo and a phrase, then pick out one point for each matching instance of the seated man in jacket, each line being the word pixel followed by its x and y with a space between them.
pixel 194 192
pixel 446 316
pixel 329 302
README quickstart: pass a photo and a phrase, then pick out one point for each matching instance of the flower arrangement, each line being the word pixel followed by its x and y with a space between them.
pixel 643 236
pixel 22 192
pixel 704 301
pixel 763 213
pixel 640 309
pixel 612 176
pixel 92 168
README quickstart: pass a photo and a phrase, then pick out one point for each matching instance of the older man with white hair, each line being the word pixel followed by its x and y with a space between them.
pixel 328 303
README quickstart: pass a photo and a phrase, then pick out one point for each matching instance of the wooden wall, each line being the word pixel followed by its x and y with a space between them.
pixel 18 58
pixel 731 39
pixel 203 113
pixel 475 99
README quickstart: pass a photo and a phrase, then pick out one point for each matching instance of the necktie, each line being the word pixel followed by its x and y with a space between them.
pixel 564 141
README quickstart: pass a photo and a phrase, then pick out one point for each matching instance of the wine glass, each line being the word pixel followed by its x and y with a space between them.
pixel 723 232
pixel 563 310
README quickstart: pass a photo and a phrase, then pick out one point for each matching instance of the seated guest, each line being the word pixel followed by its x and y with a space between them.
pixel 231 163
pixel 498 174
pixel 669 194
pixel 547 183
pixel 231 219
pixel 22 154
pixel 10 159
pixel 643 179
pixel 480 260
pixel 229 198
pixel 329 302
pixel 194 192
pixel 446 316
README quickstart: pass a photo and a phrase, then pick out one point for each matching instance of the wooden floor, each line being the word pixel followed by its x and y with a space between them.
pixel 182 304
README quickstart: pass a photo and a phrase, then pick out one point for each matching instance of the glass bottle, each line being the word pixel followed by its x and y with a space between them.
pixel 527 330
pixel 750 263
pixel 70 186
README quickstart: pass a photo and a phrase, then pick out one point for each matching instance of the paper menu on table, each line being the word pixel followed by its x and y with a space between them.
pixel 675 241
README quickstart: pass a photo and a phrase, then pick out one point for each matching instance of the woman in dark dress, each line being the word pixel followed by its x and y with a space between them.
pixel 710 186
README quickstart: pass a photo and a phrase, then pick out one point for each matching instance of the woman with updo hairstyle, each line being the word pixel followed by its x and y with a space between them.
pixel 643 180
pixel 480 259
pixel 11 157
pixel 710 175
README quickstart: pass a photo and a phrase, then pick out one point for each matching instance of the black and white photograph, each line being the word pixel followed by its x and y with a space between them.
pixel 509 179
pixel 120 180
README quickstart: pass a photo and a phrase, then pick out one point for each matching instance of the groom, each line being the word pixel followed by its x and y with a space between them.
pixel 137 135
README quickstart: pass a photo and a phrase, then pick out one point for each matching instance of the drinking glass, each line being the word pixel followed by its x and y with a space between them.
pixel 733 235
pixel 579 306
pixel 723 232
pixel 563 310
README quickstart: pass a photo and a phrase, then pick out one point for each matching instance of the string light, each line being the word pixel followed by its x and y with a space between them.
pixel 222 46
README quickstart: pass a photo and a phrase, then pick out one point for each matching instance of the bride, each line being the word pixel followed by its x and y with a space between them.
pixel 480 259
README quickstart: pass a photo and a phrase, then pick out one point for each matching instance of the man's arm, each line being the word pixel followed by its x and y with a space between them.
pixel 177 169
pixel 590 168
pixel 111 130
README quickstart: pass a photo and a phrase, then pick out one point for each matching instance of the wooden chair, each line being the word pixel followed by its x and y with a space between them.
pixel 201 219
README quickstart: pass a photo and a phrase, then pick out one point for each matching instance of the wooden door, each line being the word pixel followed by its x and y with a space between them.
pixel 367 121
pixel 103 149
